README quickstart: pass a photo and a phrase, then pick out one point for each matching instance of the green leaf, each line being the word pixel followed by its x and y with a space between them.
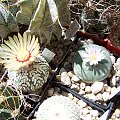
pixel 63 12
pixel 8 23
pixel 11 5
pixel 27 9
pixel 48 19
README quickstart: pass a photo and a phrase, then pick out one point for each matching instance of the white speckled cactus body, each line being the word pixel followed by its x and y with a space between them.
pixel 32 78
pixel 92 63
pixel 58 108
pixel 27 69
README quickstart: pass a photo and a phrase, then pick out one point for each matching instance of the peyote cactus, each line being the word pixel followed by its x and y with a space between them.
pixel 58 108
pixel 27 69
pixel 92 63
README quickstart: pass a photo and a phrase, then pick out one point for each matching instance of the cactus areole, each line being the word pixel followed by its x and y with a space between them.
pixel 92 63
pixel 27 69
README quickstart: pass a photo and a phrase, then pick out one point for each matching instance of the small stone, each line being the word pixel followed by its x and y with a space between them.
pixel 75 78
pixel 65 94
pixel 65 79
pixel 81 92
pixel 62 70
pixel 105 96
pixel 88 89
pixel 82 104
pixel 113 81
pixel 56 94
pixel 57 89
pixel 58 77
pixel 88 117
pixel 50 92
pixel 71 74
pixel 75 87
pixel 91 96
pixel 70 96
pixel 118 73
pixel 75 99
pixel 82 86
pixel 99 97
pixel 108 89
pixel 113 89
pixel 117 113
pixel 94 113
pixel 97 87
pixel 112 59
pixel 85 111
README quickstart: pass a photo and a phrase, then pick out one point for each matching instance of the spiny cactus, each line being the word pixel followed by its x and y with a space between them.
pixel 10 105
pixel 27 69
pixel 58 108
pixel 92 63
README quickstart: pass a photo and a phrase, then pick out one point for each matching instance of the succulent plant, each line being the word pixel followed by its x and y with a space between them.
pixel 10 105
pixel 92 63
pixel 44 18
pixel 58 108
pixel 27 69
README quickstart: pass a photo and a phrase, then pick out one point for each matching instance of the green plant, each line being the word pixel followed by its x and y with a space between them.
pixel 92 63
pixel 27 69
pixel 9 105
pixel 8 23
pixel 58 108
pixel 44 18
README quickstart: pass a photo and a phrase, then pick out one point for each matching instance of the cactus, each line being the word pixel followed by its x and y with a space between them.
pixel 9 105
pixel 58 108
pixel 27 69
pixel 92 63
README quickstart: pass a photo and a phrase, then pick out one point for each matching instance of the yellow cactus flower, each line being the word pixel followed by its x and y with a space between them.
pixel 19 51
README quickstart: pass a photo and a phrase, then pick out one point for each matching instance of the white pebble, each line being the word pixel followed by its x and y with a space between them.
pixel 82 103
pixel 91 96
pixel 85 111
pixel 94 113
pixel 82 86
pixel 113 81
pixel 112 59
pixel 81 92
pixel 75 99
pixel 88 89
pixel 65 79
pixel 71 74
pixel 118 73
pixel 88 117
pixel 97 87
pixel 75 78
pixel 70 96
pixel 75 87
pixel 105 96
pixel 99 97
pixel 108 89
pixel 113 89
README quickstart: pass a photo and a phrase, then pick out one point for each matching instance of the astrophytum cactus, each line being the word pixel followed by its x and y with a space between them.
pixel 92 63
pixel 27 69
pixel 58 108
